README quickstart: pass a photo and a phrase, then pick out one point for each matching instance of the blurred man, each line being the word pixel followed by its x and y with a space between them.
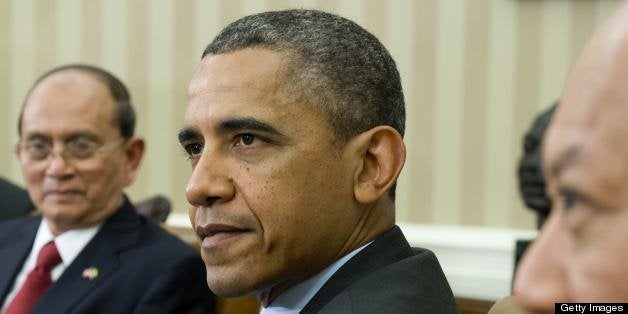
pixel 582 250
pixel 294 132
pixel 89 251
pixel 15 201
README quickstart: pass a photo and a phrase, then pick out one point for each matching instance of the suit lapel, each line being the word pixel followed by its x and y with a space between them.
pixel 14 249
pixel 96 262
pixel 385 250
pixel 74 285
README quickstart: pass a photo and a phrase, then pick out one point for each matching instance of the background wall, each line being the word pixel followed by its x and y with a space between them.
pixel 475 73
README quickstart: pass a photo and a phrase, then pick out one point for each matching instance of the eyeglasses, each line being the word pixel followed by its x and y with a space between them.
pixel 75 149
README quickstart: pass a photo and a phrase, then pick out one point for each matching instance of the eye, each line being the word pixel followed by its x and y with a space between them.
pixel 569 198
pixel 246 139
pixel 81 148
pixel 38 145
pixel 38 149
pixel 193 149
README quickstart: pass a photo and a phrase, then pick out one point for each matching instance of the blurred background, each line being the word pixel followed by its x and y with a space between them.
pixel 475 73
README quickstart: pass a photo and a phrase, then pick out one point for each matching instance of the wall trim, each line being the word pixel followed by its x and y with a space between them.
pixel 478 261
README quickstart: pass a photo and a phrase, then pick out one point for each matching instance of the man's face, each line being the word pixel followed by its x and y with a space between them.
pixel 581 253
pixel 71 108
pixel 271 196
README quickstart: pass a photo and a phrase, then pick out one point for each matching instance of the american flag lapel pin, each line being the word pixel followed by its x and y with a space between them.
pixel 90 273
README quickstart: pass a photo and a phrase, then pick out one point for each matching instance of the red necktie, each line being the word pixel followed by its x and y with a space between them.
pixel 37 280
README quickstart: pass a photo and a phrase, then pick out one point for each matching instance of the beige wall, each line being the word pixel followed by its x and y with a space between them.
pixel 475 72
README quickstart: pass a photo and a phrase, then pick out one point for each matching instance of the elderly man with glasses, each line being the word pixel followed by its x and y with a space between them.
pixel 89 251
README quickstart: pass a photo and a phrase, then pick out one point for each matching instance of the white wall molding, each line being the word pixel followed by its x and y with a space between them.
pixel 478 261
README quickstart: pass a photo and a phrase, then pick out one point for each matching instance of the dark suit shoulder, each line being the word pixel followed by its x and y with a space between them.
pixel 388 276
pixel 415 284
pixel 156 234
pixel 137 238
pixel 9 228
pixel 15 201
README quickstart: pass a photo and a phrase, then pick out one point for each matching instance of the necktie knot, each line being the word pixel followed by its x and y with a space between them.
pixel 48 257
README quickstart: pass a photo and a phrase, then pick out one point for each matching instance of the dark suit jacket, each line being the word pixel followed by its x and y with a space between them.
pixel 388 276
pixel 141 269
pixel 14 201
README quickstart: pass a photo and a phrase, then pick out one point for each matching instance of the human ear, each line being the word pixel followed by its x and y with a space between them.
pixel 382 154
pixel 17 151
pixel 134 150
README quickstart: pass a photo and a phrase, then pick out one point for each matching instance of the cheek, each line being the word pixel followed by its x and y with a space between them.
pixel 103 179
pixel 295 194
pixel 269 191
pixel 34 179
pixel 32 174
pixel 598 268
pixel 599 277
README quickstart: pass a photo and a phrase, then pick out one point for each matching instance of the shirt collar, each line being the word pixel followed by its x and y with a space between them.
pixel 294 299
pixel 69 244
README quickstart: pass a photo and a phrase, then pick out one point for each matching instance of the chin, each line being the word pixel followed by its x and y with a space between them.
pixel 228 286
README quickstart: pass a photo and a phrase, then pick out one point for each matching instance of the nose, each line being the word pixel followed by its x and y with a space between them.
pixel 59 167
pixel 540 280
pixel 210 182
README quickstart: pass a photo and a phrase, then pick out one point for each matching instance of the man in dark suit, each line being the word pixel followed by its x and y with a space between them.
pixel 15 202
pixel 294 132
pixel 89 251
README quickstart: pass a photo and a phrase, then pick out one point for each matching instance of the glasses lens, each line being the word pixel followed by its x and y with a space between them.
pixel 37 149
pixel 81 148
pixel 76 149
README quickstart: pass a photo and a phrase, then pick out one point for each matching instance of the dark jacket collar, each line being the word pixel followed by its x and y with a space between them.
pixel 386 249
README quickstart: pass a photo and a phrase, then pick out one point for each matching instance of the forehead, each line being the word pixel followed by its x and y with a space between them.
pixel 251 68
pixel 247 82
pixel 67 101
pixel 594 104
pixel 590 125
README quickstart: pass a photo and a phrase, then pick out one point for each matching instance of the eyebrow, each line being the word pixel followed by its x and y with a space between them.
pixel 247 124
pixel 187 134
pixel 66 137
pixel 566 158
pixel 231 126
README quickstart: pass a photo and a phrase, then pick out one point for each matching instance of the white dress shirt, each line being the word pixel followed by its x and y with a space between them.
pixel 69 244
pixel 293 300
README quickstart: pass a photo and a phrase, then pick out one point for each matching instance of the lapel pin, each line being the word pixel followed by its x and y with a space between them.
pixel 90 273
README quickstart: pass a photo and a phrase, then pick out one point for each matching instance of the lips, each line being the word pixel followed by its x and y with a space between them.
pixel 68 191
pixel 63 196
pixel 214 234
